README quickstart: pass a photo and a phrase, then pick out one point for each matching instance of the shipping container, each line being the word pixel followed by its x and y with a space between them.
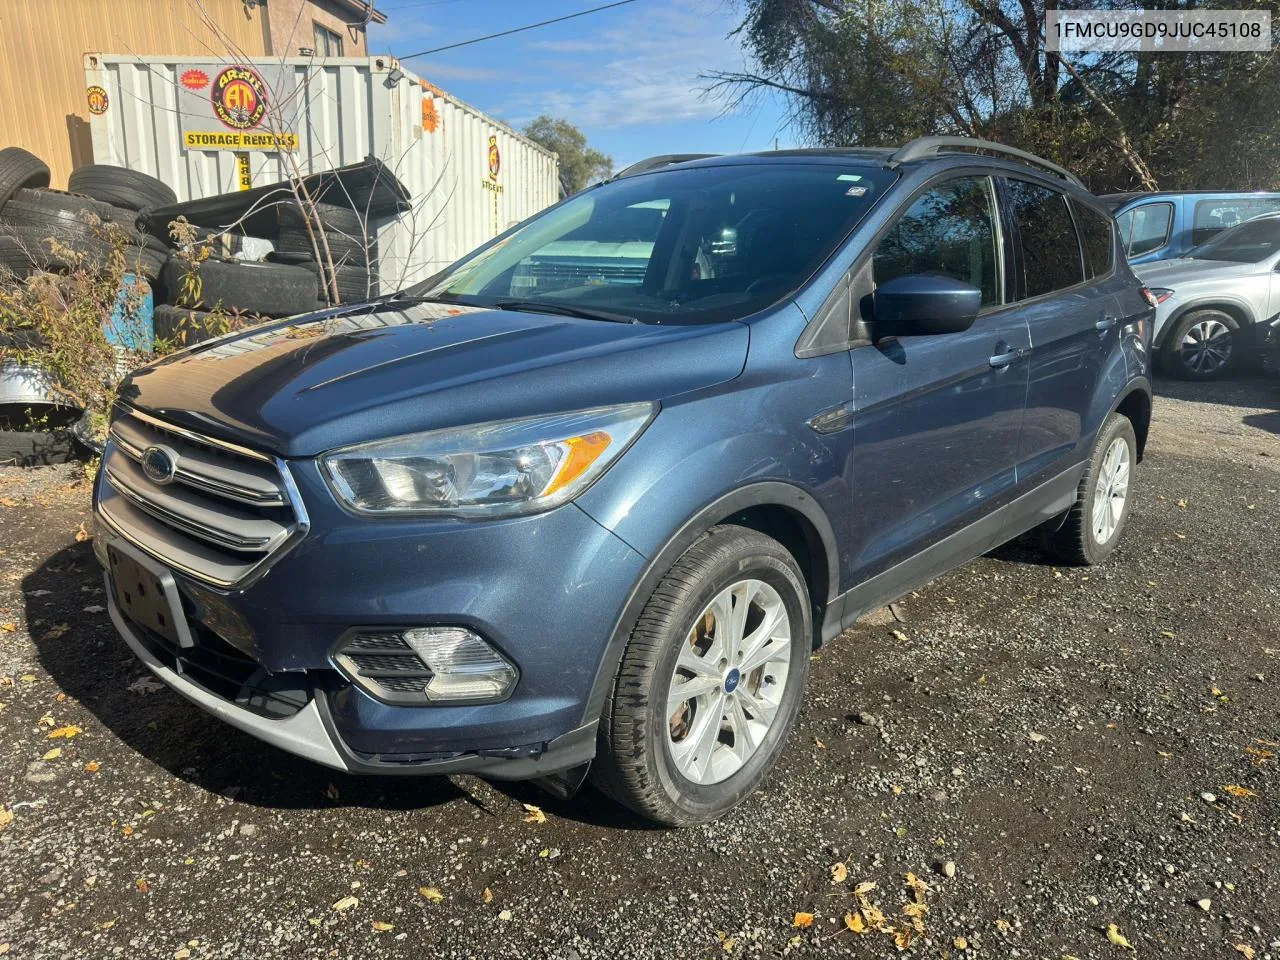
pixel 207 127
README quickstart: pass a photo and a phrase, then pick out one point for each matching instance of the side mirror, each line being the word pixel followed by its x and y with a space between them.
pixel 922 304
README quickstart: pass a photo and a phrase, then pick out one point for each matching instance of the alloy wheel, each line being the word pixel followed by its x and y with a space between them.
pixel 1206 346
pixel 728 682
pixel 1111 491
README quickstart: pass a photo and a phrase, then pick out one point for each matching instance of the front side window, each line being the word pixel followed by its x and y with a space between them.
pixel 682 245
pixel 1145 228
pixel 1250 242
pixel 949 230
pixel 1095 233
pixel 1050 248
pixel 1214 216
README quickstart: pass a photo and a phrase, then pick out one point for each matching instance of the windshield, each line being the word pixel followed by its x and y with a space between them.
pixel 1250 242
pixel 691 245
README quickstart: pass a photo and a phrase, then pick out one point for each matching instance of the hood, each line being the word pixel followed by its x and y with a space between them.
pixel 301 387
pixel 1178 272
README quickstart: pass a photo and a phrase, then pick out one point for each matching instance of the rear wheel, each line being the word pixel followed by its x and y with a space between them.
pixel 1201 345
pixel 1093 527
pixel 710 682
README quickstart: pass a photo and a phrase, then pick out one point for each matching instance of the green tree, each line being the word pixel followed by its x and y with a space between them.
pixel 579 163
pixel 877 72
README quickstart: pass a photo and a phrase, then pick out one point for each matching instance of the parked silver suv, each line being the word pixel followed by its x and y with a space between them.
pixel 1210 301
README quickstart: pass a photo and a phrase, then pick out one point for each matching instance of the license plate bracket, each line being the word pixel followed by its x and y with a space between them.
pixel 147 594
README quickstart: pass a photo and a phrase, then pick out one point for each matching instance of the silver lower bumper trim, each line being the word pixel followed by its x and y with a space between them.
pixel 303 734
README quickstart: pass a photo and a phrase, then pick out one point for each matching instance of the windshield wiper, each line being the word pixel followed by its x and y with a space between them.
pixel 543 306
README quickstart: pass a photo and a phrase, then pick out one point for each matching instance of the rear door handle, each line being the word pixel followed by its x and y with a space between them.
pixel 1004 359
pixel 1105 324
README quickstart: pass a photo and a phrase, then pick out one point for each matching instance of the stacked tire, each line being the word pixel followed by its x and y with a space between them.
pixel 340 234
pixel 44 229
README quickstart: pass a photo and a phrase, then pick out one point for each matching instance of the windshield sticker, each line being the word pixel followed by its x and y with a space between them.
pixel 849 176
pixel 856 192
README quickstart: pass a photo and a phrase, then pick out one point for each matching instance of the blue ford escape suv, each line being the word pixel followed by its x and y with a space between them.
pixel 486 526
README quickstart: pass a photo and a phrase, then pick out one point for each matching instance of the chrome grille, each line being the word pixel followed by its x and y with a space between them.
pixel 224 512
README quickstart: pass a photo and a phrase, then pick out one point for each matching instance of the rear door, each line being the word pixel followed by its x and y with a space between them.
pixel 1147 231
pixel 1073 322
pixel 937 417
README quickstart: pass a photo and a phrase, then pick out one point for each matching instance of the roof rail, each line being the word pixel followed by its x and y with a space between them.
pixel 662 160
pixel 931 146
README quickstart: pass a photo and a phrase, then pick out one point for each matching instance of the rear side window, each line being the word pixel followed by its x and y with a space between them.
pixel 1214 216
pixel 1145 228
pixel 1050 249
pixel 948 230
pixel 1095 237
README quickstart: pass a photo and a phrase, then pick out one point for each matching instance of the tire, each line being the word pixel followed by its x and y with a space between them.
pixel 145 258
pixel 33 448
pixel 1077 541
pixel 128 219
pixel 180 325
pixel 20 169
pixel 343 229
pixel 639 760
pixel 121 187
pixel 18 259
pixel 57 212
pixel 274 289
pixel 355 284
pixel 28 249
pixel 301 259
pixel 1193 349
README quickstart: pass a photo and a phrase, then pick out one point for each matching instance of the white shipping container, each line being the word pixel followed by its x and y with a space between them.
pixel 469 177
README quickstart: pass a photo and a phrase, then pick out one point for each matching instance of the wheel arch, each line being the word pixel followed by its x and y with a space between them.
pixel 1135 403
pixel 1238 310
pixel 777 509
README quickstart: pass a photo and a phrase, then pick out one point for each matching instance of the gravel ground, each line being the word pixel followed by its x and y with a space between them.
pixel 1051 751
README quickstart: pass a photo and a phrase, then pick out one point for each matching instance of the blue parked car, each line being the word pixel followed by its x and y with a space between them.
pixel 1161 226
pixel 526 531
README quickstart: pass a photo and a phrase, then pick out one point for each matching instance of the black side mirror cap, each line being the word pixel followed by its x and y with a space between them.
pixel 923 304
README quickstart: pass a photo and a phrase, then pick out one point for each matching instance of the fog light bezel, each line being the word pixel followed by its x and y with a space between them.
pixel 341 660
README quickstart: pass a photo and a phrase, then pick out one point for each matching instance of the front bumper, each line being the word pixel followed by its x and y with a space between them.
pixel 545 590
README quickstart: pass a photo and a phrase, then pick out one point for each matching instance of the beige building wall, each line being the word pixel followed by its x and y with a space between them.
pixel 43 104
pixel 293 26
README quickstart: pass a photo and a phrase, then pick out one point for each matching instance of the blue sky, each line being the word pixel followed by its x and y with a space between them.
pixel 628 77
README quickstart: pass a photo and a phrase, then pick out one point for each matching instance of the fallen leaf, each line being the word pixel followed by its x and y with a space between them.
pixel 8 502
pixel 918 886
pixel 960 943
pixel 862 889
pixel 902 938
pixel 1237 791
pixel 433 894
pixel 1259 755
pixel 1118 938
pixel 1167 634
pixel 6 818
pixel 819 744
pixel 28 678
pixel 900 636
pixel 1036 737
pixel 504 915
pixel 127 830
pixel 107 924
pixel 853 921
pixel 145 685
pixel 381 926
pixel 345 904
pixel 183 954
pixel 53 754
pixel 56 631
pixel 839 873
pixel 8 627
pixel 1003 925
pixel 82 534
pixel 93 766
pixel 66 732
pixel 803 920
pixel 1247 950
pixel 487 896
pixel 331 792
pixel 534 814
pixel 141 885
pixel 1182 504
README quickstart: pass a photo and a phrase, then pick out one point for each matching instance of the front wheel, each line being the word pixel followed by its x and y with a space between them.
pixel 1201 345
pixel 710 681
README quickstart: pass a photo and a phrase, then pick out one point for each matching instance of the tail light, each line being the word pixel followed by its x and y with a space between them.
pixel 1156 295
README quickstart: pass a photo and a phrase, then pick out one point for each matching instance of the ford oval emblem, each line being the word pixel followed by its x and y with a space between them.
pixel 159 464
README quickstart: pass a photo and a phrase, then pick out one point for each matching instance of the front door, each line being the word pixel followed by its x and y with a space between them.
pixel 937 418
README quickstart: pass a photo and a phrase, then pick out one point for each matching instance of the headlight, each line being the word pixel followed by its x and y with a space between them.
pixel 503 468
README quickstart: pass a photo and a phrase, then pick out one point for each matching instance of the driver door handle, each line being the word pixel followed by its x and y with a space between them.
pixel 1012 354
pixel 1105 324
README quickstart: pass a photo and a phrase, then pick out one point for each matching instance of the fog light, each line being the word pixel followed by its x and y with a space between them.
pixel 463 666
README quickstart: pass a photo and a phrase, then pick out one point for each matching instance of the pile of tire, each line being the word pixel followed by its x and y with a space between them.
pixel 340 234
pixel 33 217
